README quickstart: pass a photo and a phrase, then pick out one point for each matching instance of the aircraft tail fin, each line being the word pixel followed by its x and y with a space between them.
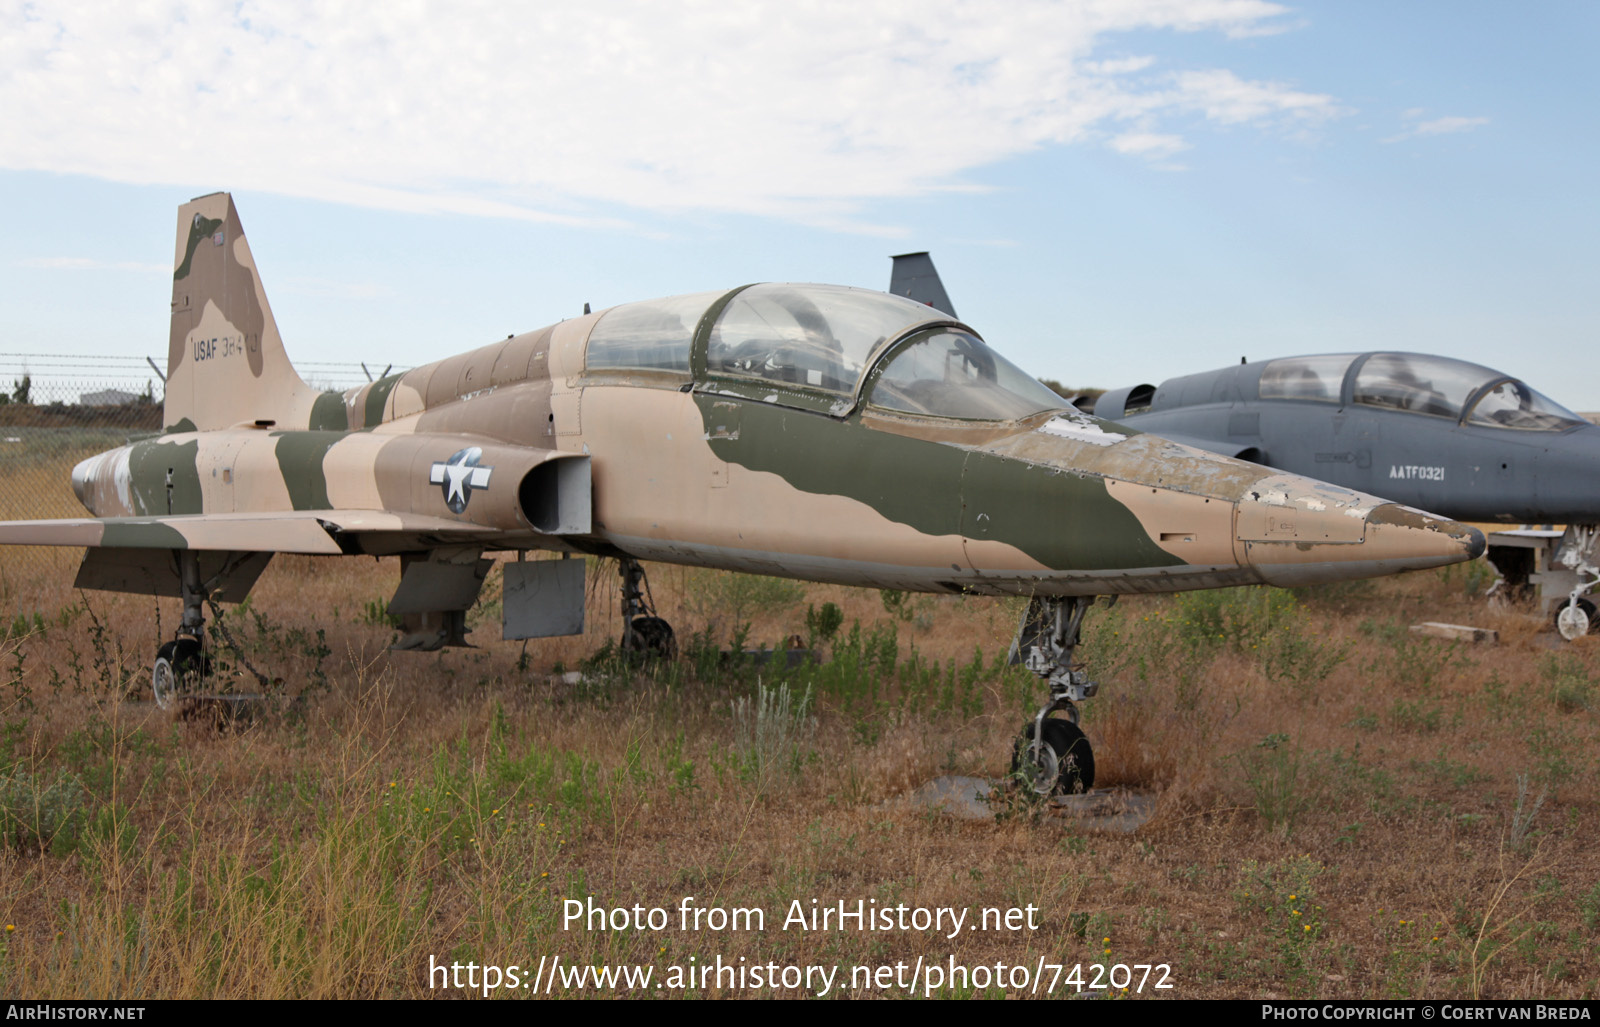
pixel 915 277
pixel 226 363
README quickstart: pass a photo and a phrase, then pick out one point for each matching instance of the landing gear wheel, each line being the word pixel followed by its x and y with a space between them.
pixel 179 666
pixel 1065 763
pixel 1574 620
pixel 653 637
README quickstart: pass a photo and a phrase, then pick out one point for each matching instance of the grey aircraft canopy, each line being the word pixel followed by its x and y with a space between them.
pixel 1416 383
pixel 1435 432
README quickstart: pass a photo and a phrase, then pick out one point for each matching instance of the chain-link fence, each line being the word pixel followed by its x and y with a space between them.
pixel 57 410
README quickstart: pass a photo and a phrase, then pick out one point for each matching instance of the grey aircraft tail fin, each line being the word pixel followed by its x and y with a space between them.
pixel 914 277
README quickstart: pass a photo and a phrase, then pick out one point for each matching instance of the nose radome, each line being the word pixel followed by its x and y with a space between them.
pixel 1295 531
pixel 82 476
pixel 1401 525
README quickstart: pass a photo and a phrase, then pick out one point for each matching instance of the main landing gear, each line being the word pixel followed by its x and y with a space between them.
pixel 642 631
pixel 1576 616
pixel 1053 755
pixel 182 662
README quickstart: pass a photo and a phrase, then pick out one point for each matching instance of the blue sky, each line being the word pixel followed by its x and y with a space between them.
pixel 1114 192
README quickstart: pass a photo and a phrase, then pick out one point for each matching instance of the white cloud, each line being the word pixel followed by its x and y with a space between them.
pixel 1224 97
pixel 1148 144
pixel 1435 126
pixel 566 111
pixel 1118 66
pixel 1441 126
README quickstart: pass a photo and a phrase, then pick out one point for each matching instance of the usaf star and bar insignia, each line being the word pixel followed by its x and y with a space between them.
pixel 458 476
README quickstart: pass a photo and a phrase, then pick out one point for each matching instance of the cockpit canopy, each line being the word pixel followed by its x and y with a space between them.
pixel 654 335
pixel 814 336
pixel 949 372
pixel 813 346
pixel 1419 384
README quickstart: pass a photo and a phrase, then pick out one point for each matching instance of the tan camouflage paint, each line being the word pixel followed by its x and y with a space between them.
pixel 660 490
pixel 226 363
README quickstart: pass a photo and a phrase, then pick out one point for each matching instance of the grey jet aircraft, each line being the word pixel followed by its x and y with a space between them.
pixel 1433 432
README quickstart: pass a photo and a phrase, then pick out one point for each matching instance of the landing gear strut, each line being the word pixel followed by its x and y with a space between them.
pixel 1053 755
pixel 182 662
pixel 1576 617
pixel 642 631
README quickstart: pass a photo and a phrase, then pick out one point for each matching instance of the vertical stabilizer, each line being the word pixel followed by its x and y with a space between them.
pixel 225 361
pixel 914 277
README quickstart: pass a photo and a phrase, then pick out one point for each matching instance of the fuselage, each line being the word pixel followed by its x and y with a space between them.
pixel 814 432
pixel 1464 441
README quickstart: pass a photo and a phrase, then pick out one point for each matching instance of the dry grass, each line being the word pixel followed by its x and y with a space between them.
pixel 1337 802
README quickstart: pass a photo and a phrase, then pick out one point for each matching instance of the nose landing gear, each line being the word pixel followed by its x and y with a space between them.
pixel 1053 755
pixel 642 631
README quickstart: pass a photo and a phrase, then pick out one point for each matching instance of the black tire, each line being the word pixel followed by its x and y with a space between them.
pixel 1588 611
pixel 653 637
pixel 1069 760
pixel 178 669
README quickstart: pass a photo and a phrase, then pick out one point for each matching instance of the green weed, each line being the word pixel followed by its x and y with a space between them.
pixel 40 811
pixel 1280 781
pixel 771 730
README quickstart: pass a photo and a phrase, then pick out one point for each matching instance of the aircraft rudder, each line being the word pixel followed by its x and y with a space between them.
pixel 225 359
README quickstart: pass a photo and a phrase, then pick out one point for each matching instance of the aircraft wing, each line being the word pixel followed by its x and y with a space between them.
pixel 300 531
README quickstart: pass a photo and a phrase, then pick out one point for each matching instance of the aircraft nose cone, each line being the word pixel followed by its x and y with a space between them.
pixel 1341 544
pixel 82 478
pixel 1421 538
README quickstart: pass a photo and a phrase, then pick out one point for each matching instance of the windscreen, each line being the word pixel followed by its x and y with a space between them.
pixel 1511 404
pixel 946 372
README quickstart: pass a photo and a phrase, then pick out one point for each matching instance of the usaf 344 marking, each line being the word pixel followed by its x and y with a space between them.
pixel 812 431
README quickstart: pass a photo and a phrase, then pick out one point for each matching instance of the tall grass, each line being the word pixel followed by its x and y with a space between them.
pixel 442 806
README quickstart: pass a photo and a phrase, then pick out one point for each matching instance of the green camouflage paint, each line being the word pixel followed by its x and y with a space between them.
pixel 377 399
pixel 300 455
pixel 143 536
pixel 149 466
pixel 200 228
pixel 328 413
pixel 1064 520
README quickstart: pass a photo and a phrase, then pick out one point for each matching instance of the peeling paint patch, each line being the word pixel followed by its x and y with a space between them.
pixel 1084 430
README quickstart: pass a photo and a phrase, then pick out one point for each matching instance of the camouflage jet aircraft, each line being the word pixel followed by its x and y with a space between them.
pixel 1435 432
pixel 812 431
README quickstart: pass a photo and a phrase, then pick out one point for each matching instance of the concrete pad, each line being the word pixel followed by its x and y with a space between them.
pixel 964 797
pixel 1107 809
pixel 1456 632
